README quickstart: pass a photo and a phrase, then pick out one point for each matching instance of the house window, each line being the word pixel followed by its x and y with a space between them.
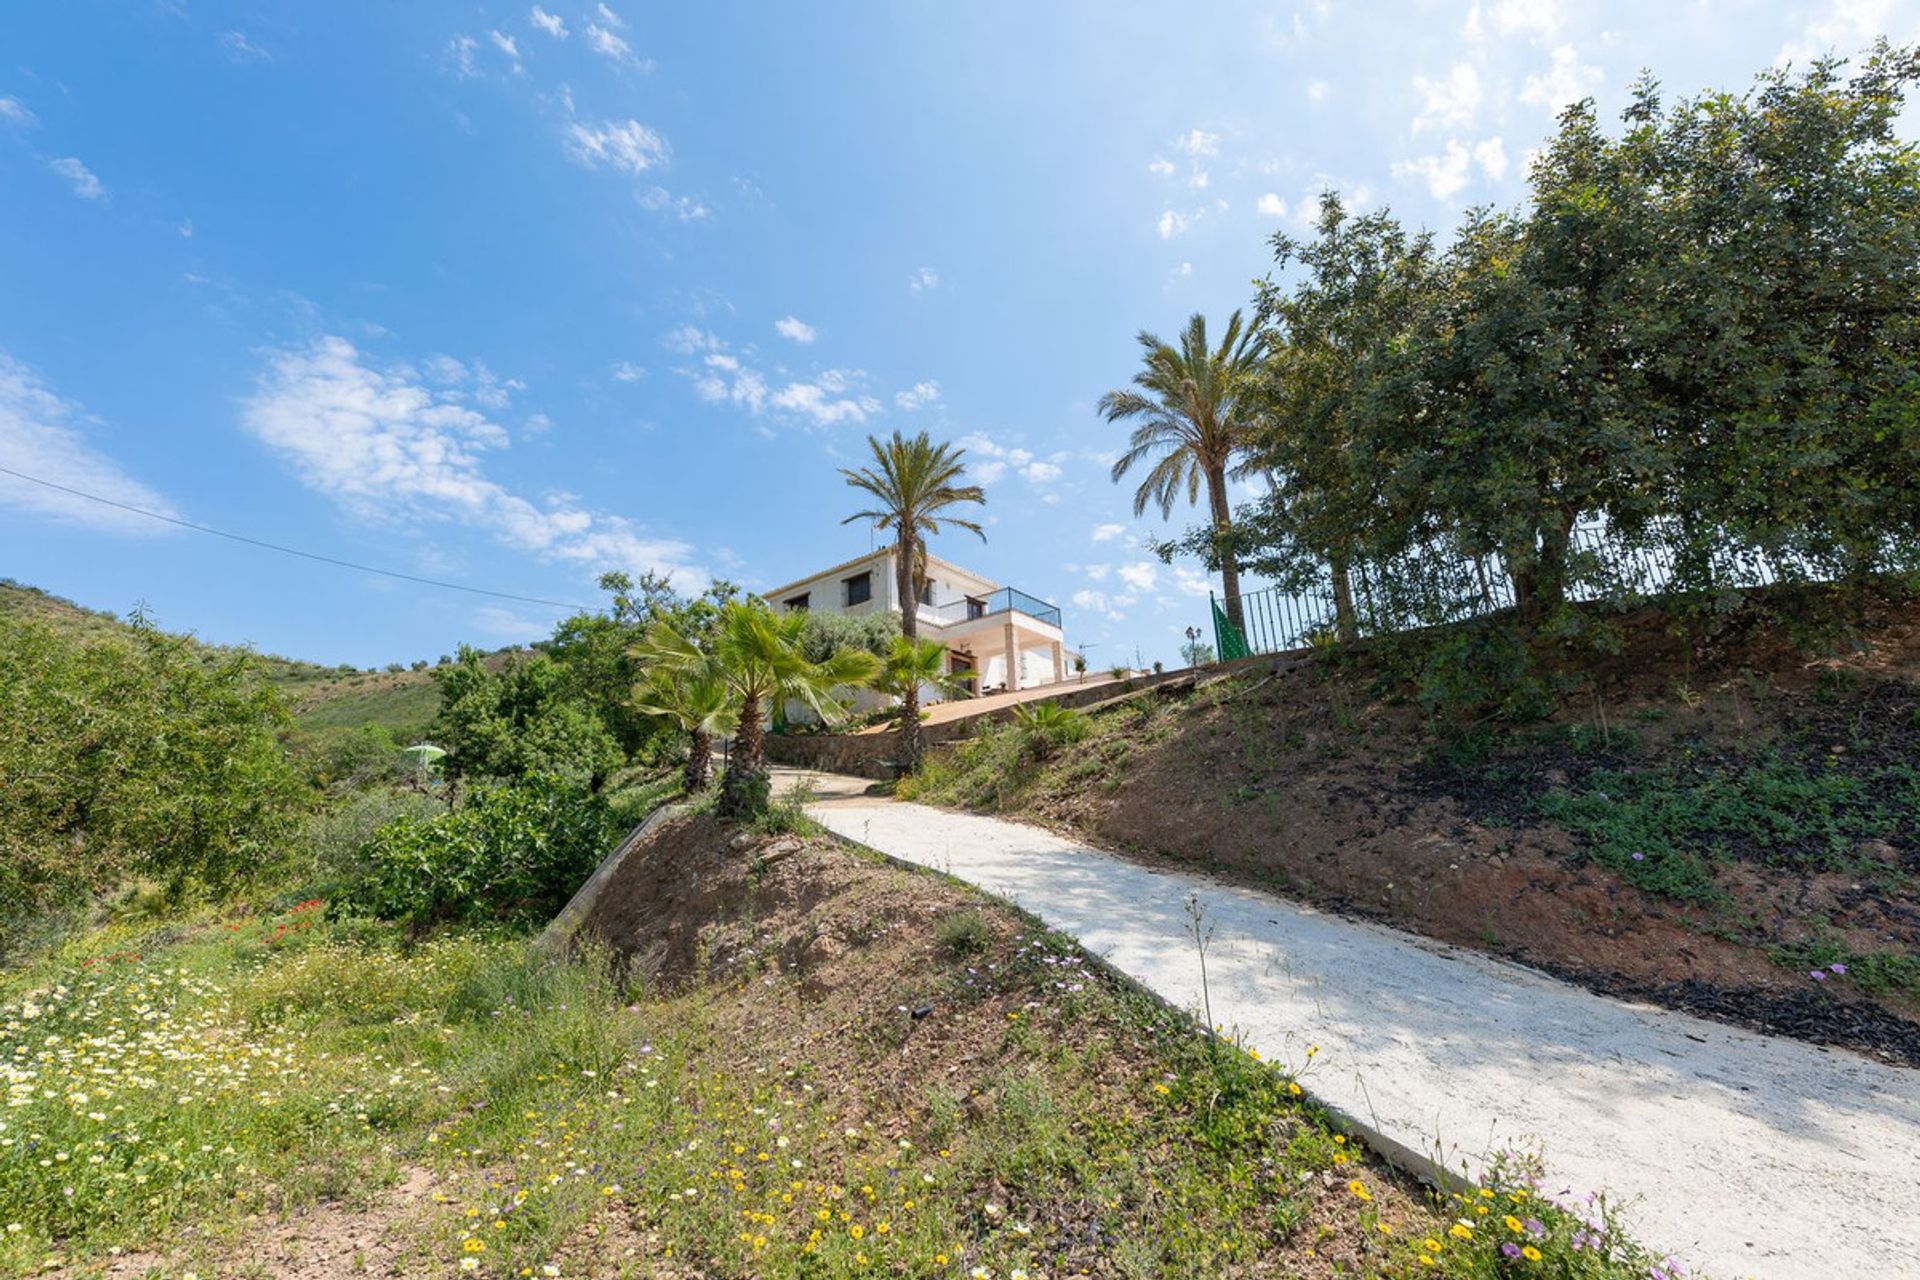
pixel 926 592
pixel 860 588
pixel 976 608
pixel 798 604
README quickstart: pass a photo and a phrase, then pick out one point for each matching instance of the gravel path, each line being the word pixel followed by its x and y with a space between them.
pixel 1741 1154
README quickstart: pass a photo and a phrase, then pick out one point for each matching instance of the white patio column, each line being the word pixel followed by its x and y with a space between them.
pixel 1059 671
pixel 1013 661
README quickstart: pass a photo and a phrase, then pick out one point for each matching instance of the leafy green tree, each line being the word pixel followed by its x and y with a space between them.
pixel 593 649
pixel 910 666
pixel 828 633
pixel 1195 418
pixel 914 481
pixel 1333 373
pixel 518 719
pixel 133 756
pixel 758 655
pixel 698 701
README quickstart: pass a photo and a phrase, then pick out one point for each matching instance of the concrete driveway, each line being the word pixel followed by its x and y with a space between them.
pixel 1740 1154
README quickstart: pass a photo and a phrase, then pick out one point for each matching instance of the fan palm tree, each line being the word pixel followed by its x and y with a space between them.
pixel 1196 410
pixel 758 657
pixel 914 480
pixel 698 702
pixel 910 665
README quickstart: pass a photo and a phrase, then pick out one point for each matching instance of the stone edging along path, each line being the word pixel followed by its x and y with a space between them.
pixel 1741 1154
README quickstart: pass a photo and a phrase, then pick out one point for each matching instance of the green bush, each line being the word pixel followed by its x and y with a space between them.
pixel 514 853
pixel 1045 727
pixel 136 756
pixel 329 849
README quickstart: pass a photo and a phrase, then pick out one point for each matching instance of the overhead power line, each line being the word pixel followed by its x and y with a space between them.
pixel 291 551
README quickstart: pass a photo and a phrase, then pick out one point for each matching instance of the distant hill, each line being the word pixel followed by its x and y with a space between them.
pixel 322 697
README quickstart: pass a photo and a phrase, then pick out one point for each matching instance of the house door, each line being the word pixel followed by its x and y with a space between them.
pixel 960 666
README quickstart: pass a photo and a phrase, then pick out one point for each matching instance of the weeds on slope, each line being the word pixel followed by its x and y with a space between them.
pixel 248 1065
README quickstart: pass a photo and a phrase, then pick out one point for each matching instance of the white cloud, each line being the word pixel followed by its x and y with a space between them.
pixel 1160 167
pixel 1844 26
pixel 1448 173
pixel 1190 581
pixel 628 371
pixel 796 329
pixel 1451 102
pixel 1001 459
pixel 1098 602
pixel 1183 271
pixel 605 43
pixel 821 400
pixel 1099 572
pixel 15 112
pixel 918 396
pixel 84 184
pixel 460 52
pixel 1566 80
pixel 609 17
pixel 504 624
pixel 1199 142
pixel 925 280
pixel 548 22
pixel 1271 205
pixel 241 49
pixel 1317 90
pixel 1141 575
pixel 1107 532
pixel 1491 155
pixel 1541 18
pixel 507 45
pixel 625 144
pixel 43 435
pixel 388 447
pixel 1173 223
pixel 688 339
pixel 660 200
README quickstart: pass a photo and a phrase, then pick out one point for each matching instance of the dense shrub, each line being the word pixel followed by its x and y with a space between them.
pixel 128 756
pixel 513 853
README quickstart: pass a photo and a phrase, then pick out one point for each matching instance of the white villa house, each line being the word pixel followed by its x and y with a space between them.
pixel 997 638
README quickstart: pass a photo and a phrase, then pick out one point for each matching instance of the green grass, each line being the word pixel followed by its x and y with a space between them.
pixel 207 1071
pixel 404 705
pixel 1664 828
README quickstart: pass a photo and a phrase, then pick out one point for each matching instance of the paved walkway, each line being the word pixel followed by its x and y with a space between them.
pixel 1743 1155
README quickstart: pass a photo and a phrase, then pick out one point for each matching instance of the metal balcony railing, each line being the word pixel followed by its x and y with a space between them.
pixel 1005 600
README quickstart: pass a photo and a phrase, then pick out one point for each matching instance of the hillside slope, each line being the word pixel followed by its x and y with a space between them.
pixel 402 702
pixel 1734 830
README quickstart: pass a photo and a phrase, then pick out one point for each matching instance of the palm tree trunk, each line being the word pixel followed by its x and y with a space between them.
pixel 903 557
pixel 910 727
pixel 1223 541
pixel 743 791
pixel 699 770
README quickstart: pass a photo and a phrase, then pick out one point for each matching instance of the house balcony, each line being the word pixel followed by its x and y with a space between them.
pixel 957 613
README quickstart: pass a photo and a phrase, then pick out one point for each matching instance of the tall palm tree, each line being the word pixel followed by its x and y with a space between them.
pixel 910 665
pixel 698 702
pixel 914 480
pixel 758 657
pixel 1196 410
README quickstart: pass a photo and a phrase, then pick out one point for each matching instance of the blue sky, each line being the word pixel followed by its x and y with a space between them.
pixel 512 294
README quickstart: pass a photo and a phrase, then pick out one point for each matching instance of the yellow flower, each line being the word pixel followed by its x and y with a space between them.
pixel 1460 1231
pixel 1513 1225
pixel 1359 1188
pixel 1161 1088
pixel 1530 1253
pixel 1425 1260
pixel 1431 1245
pixel 1293 1089
pixel 472 1245
pixel 856 1231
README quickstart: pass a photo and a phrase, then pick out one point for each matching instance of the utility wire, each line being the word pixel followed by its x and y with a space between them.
pixel 292 551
